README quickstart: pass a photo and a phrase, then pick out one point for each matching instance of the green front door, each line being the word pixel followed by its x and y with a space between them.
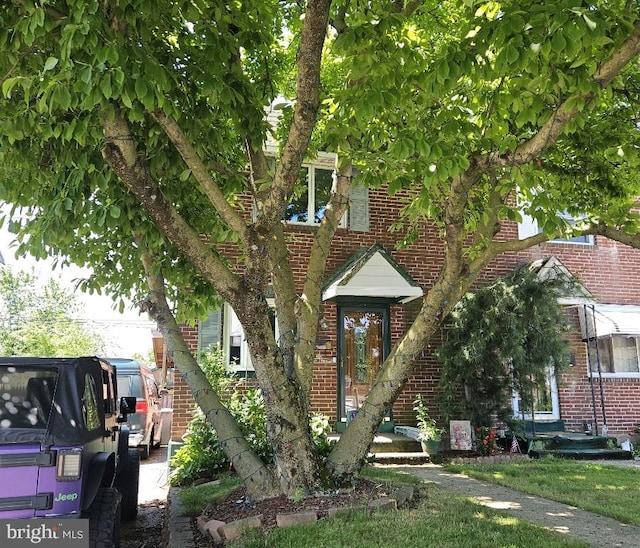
pixel 363 347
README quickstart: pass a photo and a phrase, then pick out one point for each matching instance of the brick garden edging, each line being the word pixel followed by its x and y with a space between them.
pixel 177 531
pixel 499 458
pixel 219 530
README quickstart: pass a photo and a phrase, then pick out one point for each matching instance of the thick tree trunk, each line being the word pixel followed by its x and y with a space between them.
pixel 257 477
pixel 297 466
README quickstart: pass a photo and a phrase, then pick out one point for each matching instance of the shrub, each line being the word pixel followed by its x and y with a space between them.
pixel 202 455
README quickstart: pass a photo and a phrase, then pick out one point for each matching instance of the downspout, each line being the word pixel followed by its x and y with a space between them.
pixel 588 337
pixel 602 406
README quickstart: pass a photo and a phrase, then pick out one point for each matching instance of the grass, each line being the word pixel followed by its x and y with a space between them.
pixel 195 498
pixel 441 519
pixel 608 490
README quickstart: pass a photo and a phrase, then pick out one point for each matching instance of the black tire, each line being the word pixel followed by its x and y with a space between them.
pixel 145 450
pixel 153 443
pixel 127 481
pixel 104 519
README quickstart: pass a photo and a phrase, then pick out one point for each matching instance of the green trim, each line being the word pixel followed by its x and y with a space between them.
pixel 358 260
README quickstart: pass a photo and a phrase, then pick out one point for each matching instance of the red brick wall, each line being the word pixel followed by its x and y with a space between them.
pixel 609 270
pixel 183 402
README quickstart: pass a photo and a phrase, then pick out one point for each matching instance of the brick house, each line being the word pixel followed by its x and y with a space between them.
pixel 373 293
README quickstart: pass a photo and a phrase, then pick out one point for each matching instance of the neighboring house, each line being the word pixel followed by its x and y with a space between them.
pixel 372 294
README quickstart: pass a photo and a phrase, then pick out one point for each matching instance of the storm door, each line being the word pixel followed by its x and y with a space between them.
pixel 364 344
pixel 545 401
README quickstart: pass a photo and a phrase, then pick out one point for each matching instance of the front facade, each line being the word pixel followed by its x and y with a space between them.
pixel 372 294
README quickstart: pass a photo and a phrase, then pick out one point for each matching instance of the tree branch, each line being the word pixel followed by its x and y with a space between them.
pixel 200 172
pixel 632 240
pixel 549 133
pixel 305 110
pixel 120 153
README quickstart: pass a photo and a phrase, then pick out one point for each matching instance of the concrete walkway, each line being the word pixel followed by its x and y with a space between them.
pixel 591 528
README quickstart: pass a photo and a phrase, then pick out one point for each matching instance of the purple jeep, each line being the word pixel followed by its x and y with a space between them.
pixel 64 450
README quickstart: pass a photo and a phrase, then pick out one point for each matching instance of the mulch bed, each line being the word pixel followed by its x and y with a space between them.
pixel 237 505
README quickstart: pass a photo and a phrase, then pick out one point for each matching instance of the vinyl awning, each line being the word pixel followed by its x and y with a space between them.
pixel 603 320
pixel 372 272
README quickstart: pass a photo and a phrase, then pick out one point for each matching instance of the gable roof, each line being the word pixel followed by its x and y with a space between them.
pixel 372 272
pixel 551 268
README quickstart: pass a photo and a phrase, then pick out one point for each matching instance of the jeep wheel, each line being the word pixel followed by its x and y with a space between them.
pixel 127 483
pixel 145 450
pixel 104 519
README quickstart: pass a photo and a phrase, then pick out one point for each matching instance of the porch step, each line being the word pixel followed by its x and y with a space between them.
pixel 543 427
pixel 392 448
pixel 394 443
pixel 401 458
pixel 576 445
pixel 583 454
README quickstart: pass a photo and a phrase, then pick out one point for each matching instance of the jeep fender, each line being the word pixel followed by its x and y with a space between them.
pixel 123 446
pixel 100 473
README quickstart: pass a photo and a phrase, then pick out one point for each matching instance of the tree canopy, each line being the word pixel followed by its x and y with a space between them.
pixel 131 129
pixel 37 319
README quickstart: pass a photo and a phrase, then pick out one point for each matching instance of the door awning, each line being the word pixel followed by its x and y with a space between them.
pixel 573 292
pixel 603 320
pixel 372 272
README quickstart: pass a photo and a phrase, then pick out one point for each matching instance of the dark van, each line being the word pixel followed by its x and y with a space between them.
pixel 145 425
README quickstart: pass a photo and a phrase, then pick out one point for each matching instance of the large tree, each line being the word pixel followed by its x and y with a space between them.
pixel 134 135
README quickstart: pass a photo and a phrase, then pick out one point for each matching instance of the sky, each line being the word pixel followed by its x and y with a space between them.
pixel 124 334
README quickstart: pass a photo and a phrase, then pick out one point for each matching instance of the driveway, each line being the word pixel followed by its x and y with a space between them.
pixel 146 530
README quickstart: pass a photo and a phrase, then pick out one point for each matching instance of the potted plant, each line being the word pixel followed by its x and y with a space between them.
pixel 430 435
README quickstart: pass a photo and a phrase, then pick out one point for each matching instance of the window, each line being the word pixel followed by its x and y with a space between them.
pixel 90 411
pixel 617 354
pixel 587 240
pixel 235 346
pixel 231 337
pixel 309 202
pixel 546 402
pixel 529 227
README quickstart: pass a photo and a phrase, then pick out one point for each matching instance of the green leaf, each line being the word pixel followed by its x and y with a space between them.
pixel 443 71
pixel 62 97
pixel 126 100
pixel 50 63
pixel 141 89
pixel 512 54
pixel 105 86
pixel 558 42
pixel 590 22
pixel 8 85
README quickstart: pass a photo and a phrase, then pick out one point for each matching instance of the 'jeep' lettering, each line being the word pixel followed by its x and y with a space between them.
pixel 68 497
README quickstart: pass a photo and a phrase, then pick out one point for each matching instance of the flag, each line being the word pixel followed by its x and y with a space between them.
pixel 515 447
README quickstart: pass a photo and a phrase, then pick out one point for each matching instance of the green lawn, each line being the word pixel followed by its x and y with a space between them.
pixel 441 520
pixel 608 490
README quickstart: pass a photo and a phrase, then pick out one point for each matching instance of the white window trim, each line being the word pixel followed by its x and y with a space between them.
pixel 622 375
pixel 617 374
pixel 554 414
pixel 245 359
pixel 529 227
